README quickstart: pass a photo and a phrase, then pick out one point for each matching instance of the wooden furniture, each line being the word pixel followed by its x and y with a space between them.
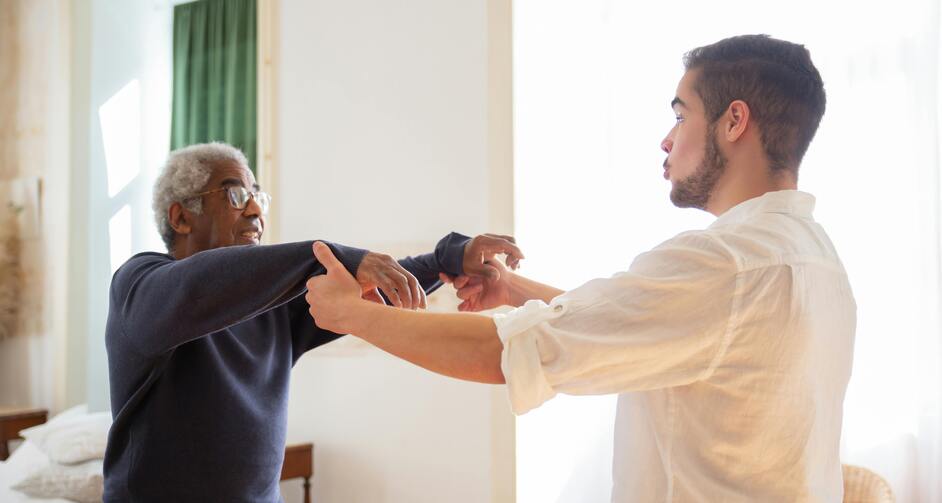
pixel 863 486
pixel 299 463
pixel 12 420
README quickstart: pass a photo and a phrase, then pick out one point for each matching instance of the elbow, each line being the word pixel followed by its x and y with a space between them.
pixel 494 375
pixel 491 370
pixel 485 376
pixel 497 350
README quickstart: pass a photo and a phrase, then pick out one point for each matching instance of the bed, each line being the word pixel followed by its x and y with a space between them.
pixel 17 468
pixel 62 457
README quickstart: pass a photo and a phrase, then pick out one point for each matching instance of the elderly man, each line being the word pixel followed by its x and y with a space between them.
pixel 730 346
pixel 201 340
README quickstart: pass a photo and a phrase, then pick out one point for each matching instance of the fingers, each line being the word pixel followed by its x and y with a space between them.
pixel 405 291
pixel 396 288
pixel 469 292
pixel 411 292
pixel 483 248
pixel 501 236
pixel 466 288
pixel 514 255
pixel 502 244
pixel 418 294
pixel 399 286
pixel 326 257
pixel 490 271
pixel 476 268
pixel 373 295
pixel 423 298
pixel 468 306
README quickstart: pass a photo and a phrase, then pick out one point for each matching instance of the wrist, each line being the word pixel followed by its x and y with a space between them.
pixel 516 296
pixel 450 252
pixel 361 316
pixel 525 289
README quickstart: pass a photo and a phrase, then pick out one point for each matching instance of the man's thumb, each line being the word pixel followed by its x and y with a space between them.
pixel 490 272
pixel 326 257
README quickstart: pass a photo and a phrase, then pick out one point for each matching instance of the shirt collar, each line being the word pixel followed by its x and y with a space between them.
pixel 788 202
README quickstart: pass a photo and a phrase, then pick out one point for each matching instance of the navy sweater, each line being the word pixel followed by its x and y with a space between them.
pixel 200 352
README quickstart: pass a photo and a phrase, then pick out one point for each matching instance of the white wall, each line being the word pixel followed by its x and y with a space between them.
pixel 384 142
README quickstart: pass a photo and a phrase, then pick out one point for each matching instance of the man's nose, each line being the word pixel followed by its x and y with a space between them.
pixel 252 207
pixel 667 144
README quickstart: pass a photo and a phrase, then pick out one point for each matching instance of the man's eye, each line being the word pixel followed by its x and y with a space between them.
pixel 679 118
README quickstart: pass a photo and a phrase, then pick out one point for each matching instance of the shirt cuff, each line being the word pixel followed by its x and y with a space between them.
pixel 520 361
pixel 449 252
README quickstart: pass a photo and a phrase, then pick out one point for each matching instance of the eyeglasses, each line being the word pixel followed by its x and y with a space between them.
pixel 239 197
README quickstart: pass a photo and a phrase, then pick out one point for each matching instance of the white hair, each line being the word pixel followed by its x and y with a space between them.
pixel 186 173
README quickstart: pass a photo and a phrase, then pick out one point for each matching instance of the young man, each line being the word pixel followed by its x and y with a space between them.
pixel 201 341
pixel 730 347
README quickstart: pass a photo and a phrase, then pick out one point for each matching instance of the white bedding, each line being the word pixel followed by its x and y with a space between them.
pixel 25 459
pixel 70 436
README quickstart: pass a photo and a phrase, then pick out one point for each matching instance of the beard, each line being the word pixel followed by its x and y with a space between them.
pixel 695 190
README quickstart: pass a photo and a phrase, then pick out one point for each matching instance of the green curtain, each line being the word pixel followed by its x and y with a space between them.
pixel 214 74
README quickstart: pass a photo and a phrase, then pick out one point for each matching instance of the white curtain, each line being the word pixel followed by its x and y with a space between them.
pixel 592 84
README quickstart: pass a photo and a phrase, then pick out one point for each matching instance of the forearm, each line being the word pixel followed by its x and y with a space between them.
pixel 523 289
pixel 464 346
pixel 305 335
pixel 164 304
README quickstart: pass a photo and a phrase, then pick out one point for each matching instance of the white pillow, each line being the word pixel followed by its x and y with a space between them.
pixel 26 459
pixel 83 482
pixel 72 439
pixel 78 410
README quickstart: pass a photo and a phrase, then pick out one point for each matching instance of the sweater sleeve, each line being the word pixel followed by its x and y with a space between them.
pixel 447 258
pixel 161 303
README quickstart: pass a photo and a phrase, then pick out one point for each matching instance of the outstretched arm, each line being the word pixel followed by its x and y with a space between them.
pixel 503 289
pixel 163 303
pixel 455 254
pixel 459 345
pixel 459 255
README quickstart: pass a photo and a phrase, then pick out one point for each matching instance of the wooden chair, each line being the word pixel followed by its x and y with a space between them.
pixel 299 463
pixel 864 486
pixel 13 420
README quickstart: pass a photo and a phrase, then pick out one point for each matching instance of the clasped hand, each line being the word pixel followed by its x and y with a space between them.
pixel 336 297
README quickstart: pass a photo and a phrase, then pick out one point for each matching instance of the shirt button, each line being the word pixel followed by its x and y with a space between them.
pixel 558 308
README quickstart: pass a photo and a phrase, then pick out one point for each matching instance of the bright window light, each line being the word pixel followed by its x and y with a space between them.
pixel 592 85
pixel 120 118
pixel 119 237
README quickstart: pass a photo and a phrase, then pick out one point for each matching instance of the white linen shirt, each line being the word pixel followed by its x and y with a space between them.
pixel 731 349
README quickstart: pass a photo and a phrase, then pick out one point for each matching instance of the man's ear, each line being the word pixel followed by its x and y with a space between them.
pixel 737 120
pixel 181 220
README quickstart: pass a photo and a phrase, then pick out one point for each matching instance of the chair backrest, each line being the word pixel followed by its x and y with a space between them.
pixel 12 420
pixel 864 486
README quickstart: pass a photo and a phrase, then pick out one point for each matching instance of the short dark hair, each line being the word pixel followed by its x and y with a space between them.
pixel 775 78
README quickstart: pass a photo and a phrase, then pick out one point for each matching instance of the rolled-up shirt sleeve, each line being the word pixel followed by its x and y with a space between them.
pixel 665 322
